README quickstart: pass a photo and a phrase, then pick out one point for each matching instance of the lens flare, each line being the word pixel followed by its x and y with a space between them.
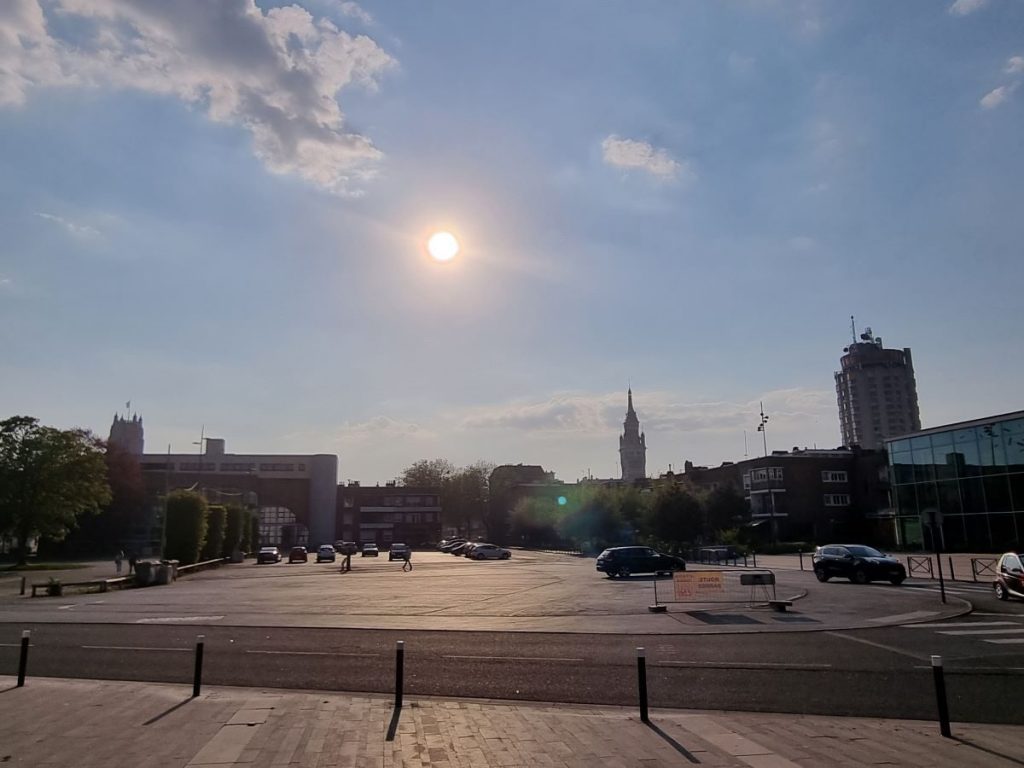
pixel 442 246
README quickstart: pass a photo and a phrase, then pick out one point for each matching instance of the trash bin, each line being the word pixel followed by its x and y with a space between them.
pixel 173 565
pixel 145 572
pixel 164 572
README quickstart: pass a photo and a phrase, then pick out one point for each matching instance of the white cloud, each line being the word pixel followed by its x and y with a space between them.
pixel 275 73
pixel 964 7
pixel 5 281
pixel 996 96
pixel 1014 65
pixel 83 231
pixel 639 155
pixel 356 11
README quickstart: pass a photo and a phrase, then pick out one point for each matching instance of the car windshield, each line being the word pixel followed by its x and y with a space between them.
pixel 864 552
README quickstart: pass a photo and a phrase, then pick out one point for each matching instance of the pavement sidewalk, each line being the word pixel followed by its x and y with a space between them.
pixel 90 723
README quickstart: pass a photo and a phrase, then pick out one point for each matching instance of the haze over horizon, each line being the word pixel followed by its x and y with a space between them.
pixel 219 210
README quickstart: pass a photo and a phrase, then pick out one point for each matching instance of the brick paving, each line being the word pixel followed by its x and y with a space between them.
pixel 87 723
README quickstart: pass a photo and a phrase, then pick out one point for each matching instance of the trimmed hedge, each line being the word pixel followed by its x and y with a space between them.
pixel 216 522
pixel 233 530
pixel 186 526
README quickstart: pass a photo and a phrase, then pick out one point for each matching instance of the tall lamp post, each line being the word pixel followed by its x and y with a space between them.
pixel 762 428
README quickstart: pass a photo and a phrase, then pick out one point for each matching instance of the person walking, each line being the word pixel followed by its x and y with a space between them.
pixel 407 556
pixel 118 559
pixel 132 559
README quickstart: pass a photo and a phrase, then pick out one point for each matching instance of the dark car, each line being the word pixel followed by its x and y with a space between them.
pixel 858 563
pixel 268 555
pixel 1009 576
pixel 298 555
pixel 624 561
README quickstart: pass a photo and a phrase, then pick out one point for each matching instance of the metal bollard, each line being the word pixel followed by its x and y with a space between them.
pixel 23 661
pixel 23 585
pixel 197 677
pixel 744 561
pixel 801 560
pixel 940 695
pixel 399 672
pixel 755 559
pixel 641 673
pixel 952 576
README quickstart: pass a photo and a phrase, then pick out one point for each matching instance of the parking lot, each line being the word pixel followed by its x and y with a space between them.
pixel 532 591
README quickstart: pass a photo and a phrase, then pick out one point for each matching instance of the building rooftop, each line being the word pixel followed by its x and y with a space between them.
pixel 959 425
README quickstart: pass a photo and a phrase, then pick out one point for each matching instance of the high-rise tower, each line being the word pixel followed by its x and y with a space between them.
pixel 127 433
pixel 632 445
pixel 877 392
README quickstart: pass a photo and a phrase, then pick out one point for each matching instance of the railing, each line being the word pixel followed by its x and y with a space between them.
pixel 983 566
pixel 919 565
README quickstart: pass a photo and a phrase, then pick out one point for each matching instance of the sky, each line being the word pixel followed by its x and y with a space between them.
pixel 216 210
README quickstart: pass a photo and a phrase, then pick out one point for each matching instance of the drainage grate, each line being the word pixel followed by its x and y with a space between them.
pixel 723 618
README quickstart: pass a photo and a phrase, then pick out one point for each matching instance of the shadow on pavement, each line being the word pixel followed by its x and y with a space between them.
pixel 996 753
pixel 165 713
pixel 675 744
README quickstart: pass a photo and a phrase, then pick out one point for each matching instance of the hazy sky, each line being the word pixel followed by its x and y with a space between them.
pixel 216 209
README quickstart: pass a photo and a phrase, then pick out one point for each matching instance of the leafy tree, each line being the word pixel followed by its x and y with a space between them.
pixel 186 526
pixel 534 521
pixel 254 531
pixel 724 509
pixel 464 495
pixel 675 515
pixel 48 477
pixel 595 520
pixel 216 522
pixel 233 530
pixel 428 473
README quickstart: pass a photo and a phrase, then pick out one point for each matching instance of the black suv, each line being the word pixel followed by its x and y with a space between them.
pixel 623 561
pixel 857 563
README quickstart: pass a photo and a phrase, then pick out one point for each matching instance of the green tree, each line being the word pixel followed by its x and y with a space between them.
pixel 186 526
pixel 233 530
pixel 48 477
pixel 534 521
pixel 724 509
pixel 464 496
pixel 427 473
pixel 675 516
pixel 595 520
pixel 216 524
pixel 254 532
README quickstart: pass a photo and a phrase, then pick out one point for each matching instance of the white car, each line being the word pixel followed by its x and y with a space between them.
pixel 489 552
pixel 370 550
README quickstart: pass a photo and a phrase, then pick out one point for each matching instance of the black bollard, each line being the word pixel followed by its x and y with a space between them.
pixel 399 672
pixel 641 674
pixel 940 695
pixel 197 677
pixel 801 560
pixel 23 661
pixel 23 585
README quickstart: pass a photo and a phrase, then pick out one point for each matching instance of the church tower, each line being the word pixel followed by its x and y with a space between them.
pixel 126 433
pixel 632 445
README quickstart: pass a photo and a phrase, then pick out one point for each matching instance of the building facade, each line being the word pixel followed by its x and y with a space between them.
pixel 971 474
pixel 877 393
pixel 295 495
pixel 808 495
pixel 382 515
pixel 632 445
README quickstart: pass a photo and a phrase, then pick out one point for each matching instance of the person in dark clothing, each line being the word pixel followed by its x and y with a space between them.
pixel 132 559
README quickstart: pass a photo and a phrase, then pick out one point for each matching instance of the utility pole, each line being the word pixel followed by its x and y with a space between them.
pixel 761 429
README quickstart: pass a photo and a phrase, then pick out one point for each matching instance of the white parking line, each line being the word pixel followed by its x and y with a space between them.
pixel 133 648
pixel 512 658
pixel 315 653
pixel 984 632
pixel 944 624
pixel 741 664
pixel 1008 641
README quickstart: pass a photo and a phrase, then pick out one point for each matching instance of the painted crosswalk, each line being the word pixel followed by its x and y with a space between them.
pixel 996 632
pixel 953 588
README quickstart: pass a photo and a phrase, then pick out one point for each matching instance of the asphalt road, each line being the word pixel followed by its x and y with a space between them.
pixel 258 629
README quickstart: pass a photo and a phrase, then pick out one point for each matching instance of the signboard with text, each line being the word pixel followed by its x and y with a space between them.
pixel 696 584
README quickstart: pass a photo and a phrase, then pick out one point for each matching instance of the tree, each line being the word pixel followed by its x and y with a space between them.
pixel 464 495
pixel 233 530
pixel 216 522
pixel 186 526
pixel 427 473
pixel 724 509
pixel 48 477
pixel 675 515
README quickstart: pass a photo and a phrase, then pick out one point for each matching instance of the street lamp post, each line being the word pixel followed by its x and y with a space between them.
pixel 761 427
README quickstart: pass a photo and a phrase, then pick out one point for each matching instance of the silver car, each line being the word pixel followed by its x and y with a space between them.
pixel 489 552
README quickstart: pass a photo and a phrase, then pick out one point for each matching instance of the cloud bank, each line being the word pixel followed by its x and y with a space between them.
pixel 639 155
pixel 277 74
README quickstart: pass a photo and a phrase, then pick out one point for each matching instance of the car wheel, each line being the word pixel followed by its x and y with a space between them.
pixel 821 574
pixel 1001 592
pixel 506 556
pixel 896 580
pixel 860 576
pixel 624 572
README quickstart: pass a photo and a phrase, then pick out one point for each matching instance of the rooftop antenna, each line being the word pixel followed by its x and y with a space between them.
pixel 853 330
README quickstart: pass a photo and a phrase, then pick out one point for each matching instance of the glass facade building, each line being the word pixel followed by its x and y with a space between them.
pixel 971 473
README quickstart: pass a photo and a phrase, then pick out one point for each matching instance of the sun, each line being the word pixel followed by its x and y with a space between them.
pixel 442 246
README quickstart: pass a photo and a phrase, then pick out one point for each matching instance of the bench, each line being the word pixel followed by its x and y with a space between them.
pixel 779 605
pixel 101 585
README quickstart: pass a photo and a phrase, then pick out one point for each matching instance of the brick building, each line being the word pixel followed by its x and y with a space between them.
pixel 384 514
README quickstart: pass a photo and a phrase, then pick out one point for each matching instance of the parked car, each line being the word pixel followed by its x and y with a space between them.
pixel 858 563
pixel 1009 576
pixel 268 555
pixel 489 552
pixel 449 544
pixel 346 547
pixel 460 549
pixel 399 551
pixel 370 550
pixel 326 554
pixel 298 555
pixel 625 561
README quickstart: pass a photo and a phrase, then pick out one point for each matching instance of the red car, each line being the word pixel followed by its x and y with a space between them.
pixel 1009 577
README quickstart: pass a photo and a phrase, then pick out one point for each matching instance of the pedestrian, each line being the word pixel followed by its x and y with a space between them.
pixel 132 559
pixel 118 559
pixel 407 557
